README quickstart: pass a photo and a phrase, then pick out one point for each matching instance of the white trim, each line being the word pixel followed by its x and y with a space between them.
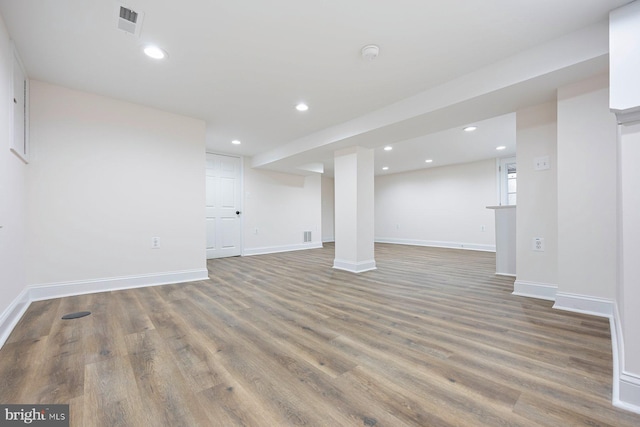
pixel 65 289
pixel 329 240
pixel 354 267
pixel 284 248
pixel 584 304
pixel 628 393
pixel 626 386
pixel 628 116
pixel 505 274
pixel 437 244
pixel 12 315
pixel 544 291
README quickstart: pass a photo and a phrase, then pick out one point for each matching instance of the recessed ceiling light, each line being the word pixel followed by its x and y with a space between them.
pixel 155 52
pixel 502 147
pixel 428 161
pixel 385 168
pixel 388 148
pixel 470 128
pixel 236 142
pixel 302 107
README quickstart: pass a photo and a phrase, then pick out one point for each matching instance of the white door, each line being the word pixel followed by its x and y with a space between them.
pixel 224 232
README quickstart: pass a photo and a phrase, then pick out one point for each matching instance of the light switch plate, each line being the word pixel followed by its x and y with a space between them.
pixel 541 163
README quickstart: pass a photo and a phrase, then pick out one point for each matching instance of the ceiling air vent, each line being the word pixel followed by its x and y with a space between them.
pixel 129 20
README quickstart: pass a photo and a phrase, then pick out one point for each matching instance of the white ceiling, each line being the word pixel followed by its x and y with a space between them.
pixel 243 65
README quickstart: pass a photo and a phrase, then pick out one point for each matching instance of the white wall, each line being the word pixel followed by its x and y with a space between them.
pixel 12 191
pixel 278 208
pixel 328 208
pixel 537 211
pixel 442 206
pixel 587 179
pixel 107 176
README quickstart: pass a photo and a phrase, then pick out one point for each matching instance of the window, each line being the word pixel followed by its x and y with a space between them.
pixel 507 177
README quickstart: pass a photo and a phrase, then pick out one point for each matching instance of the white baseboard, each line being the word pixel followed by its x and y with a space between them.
pixel 628 393
pixel 437 244
pixel 544 291
pixel 584 304
pixel 284 248
pixel 626 387
pixel 12 314
pixel 80 287
pixel 354 267
pixel 328 240
pixel 16 309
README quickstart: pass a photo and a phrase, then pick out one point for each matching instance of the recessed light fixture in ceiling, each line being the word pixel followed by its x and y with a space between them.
pixel 428 161
pixel 370 52
pixel 388 148
pixel 385 168
pixel 500 148
pixel 302 106
pixel 155 52
pixel 236 142
pixel 470 128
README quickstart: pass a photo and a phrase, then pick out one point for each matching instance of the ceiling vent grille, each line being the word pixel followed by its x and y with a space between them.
pixel 128 15
pixel 129 20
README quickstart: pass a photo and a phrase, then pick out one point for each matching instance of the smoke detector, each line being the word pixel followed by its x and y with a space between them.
pixel 370 52
pixel 129 20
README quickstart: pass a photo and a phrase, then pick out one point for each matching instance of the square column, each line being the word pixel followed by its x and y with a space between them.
pixel 624 101
pixel 354 226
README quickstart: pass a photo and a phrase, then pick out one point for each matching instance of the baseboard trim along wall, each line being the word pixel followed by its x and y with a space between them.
pixel 32 293
pixel 354 267
pixel 584 304
pixel 626 386
pixel 12 315
pixel 437 244
pixel 284 248
pixel 544 291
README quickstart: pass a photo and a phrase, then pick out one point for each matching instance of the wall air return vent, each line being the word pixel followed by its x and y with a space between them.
pixel 129 20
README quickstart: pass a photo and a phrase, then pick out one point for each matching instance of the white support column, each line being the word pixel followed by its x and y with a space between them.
pixel 628 293
pixel 624 71
pixel 354 226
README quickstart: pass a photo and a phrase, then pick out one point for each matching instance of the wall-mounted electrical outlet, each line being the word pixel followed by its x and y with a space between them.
pixel 155 243
pixel 538 244
pixel 483 228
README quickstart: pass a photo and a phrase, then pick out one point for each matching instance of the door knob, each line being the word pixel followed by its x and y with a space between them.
pixel 238 212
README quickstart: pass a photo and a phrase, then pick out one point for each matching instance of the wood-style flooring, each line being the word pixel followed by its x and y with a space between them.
pixel 431 338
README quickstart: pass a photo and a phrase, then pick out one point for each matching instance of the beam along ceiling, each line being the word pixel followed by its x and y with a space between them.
pixel 242 66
